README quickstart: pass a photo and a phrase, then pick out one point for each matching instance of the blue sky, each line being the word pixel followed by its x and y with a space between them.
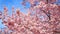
pixel 16 4
pixel 10 3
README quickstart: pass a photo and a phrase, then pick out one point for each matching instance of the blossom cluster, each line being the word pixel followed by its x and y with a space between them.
pixel 43 18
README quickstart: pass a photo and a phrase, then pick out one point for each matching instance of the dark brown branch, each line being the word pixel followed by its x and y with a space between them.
pixel 48 14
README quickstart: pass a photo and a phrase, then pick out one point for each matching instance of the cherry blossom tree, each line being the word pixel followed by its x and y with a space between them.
pixel 43 17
